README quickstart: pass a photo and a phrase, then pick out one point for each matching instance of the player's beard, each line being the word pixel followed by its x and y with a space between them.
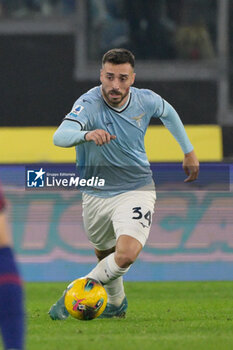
pixel 111 100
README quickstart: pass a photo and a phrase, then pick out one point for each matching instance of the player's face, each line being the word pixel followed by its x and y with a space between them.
pixel 116 80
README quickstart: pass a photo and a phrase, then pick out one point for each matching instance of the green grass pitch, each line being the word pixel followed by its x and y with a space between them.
pixel 161 315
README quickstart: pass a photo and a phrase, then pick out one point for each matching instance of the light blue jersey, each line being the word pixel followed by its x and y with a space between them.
pixel 122 163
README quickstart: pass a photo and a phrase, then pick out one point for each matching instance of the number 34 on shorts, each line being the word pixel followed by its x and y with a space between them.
pixel 144 219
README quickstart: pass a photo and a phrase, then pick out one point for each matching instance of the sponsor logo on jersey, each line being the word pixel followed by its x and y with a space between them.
pixel 84 100
pixel 76 110
pixel 138 119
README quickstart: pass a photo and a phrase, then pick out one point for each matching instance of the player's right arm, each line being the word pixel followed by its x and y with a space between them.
pixel 99 136
pixel 77 126
pixel 70 134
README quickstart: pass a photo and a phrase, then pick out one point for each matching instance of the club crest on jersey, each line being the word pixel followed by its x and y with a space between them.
pixel 76 110
pixel 138 119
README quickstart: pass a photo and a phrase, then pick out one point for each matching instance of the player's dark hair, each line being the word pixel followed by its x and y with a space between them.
pixel 119 56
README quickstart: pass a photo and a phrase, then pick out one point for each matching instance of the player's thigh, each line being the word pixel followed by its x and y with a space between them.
pixel 97 222
pixel 133 214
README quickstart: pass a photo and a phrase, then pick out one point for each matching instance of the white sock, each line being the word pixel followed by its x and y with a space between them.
pixel 107 270
pixel 115 291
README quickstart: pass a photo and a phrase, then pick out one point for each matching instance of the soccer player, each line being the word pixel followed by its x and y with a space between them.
pixel 11 292
pixel 107 126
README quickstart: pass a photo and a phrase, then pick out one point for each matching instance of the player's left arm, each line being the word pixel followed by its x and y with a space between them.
pixel 191 166
pixel 171 120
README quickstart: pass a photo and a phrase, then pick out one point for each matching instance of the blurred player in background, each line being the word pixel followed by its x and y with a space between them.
pixel 117 217
pixel 11 292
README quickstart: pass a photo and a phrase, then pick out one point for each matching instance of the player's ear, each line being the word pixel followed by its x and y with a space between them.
pixel 101 74
pixel 133 78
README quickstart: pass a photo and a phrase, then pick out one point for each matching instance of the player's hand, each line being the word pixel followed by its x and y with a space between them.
pixel 99 136
pixel 191 166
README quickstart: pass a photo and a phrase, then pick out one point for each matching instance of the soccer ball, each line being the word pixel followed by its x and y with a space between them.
pixel 85 299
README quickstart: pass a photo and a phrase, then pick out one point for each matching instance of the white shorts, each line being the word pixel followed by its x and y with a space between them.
pixel 129 213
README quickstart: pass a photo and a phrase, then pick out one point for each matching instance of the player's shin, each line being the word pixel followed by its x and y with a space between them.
pixel 107 270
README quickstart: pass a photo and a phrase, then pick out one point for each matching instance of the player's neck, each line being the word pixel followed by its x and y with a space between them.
pixel 118 109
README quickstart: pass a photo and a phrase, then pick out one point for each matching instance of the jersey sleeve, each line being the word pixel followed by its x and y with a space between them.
pixel 157 105
pixel 167 114
pixel 79 114
pixel 69 134
pixel 74 126
pixel 173 123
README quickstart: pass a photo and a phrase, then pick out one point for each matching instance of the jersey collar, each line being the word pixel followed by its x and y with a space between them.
pixel 122 108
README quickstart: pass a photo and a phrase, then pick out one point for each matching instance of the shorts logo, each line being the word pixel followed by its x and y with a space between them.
pixel 35 178
pixel 77 109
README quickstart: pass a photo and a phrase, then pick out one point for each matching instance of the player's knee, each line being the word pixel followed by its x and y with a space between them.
pixel 125 259
pixel 127 250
